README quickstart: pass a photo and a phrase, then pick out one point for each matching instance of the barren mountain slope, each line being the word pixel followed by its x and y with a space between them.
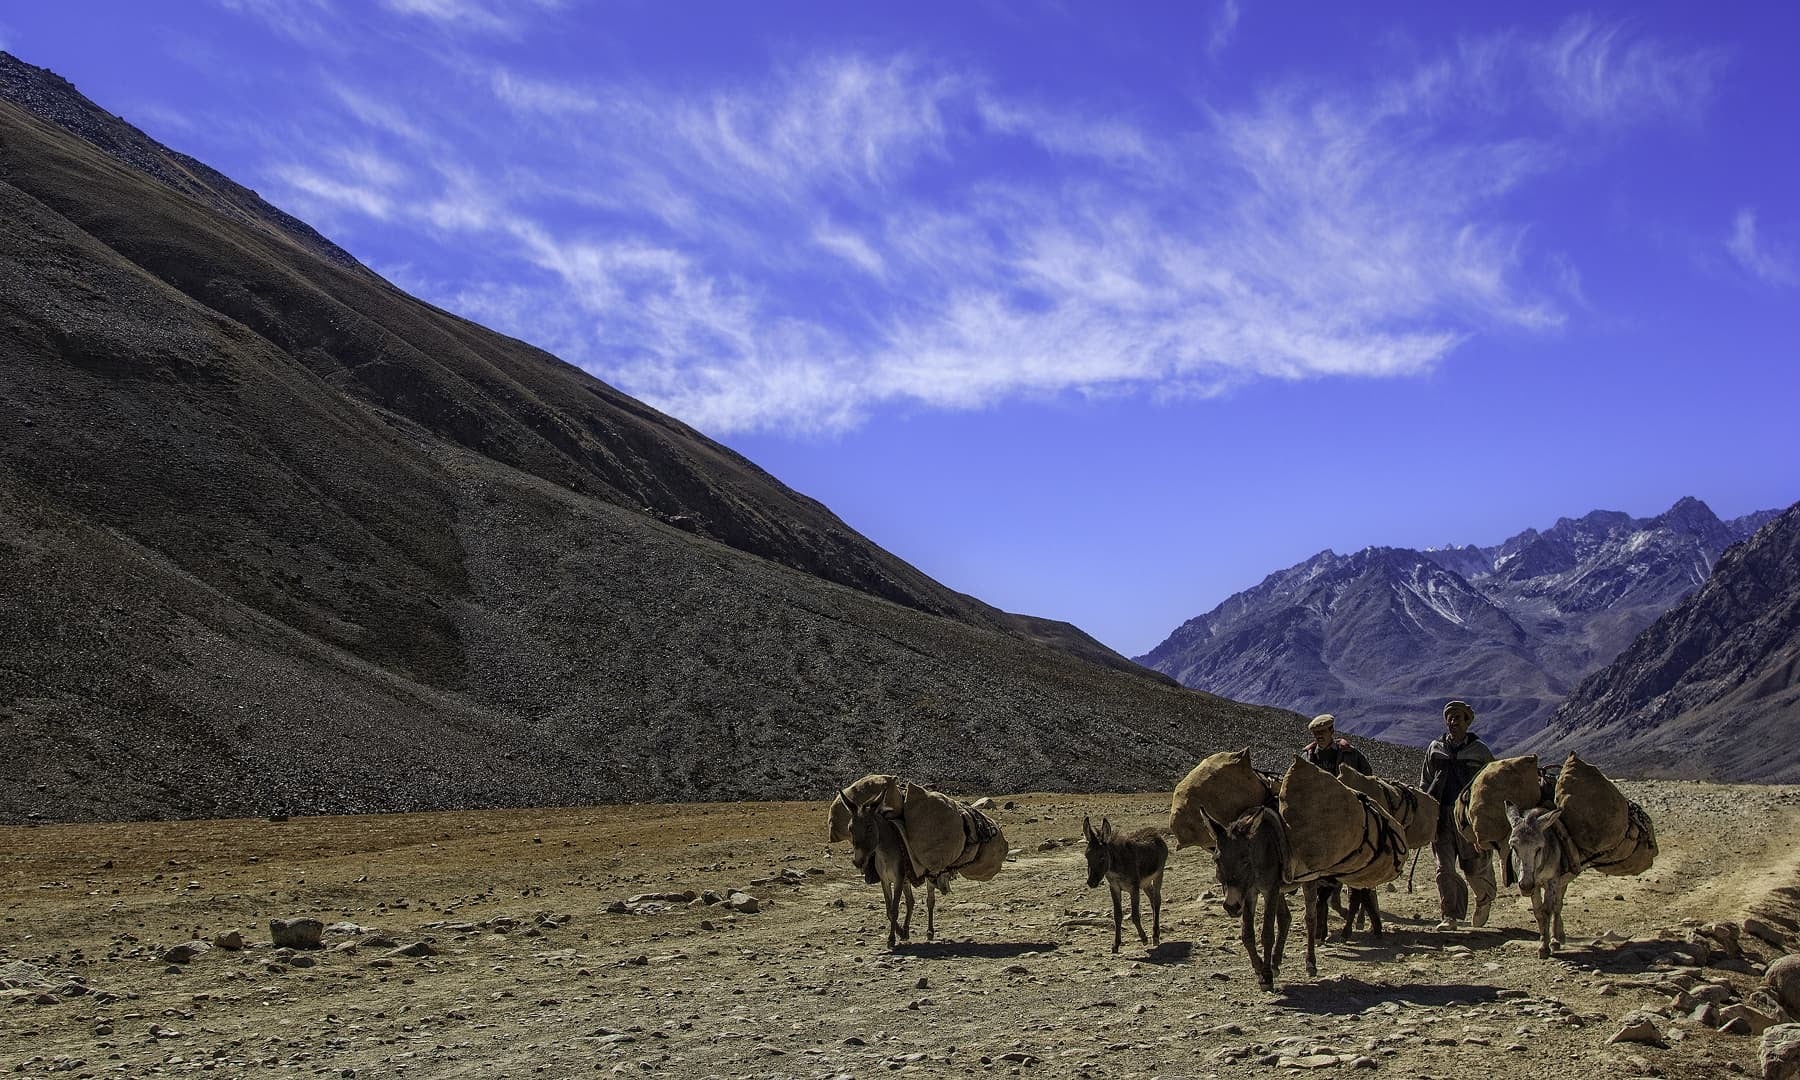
pixel 276 537
pixel 1713 687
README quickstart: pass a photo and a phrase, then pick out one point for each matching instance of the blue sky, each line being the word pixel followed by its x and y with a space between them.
pixel 1097 312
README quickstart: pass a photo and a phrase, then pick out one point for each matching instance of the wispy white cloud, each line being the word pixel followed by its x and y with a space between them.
pixel 854 232
pixel 310 22
pixel 504 17
pixel 1224 27
pixel 526 94
pixel 1756 256
pixel 1599 73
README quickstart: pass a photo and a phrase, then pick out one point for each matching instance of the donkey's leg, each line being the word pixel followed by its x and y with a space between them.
pixel 930 912
pixel 1540 907
pixel 1155 891
pixel 906 894
pixel 1271 939
pixel 890 897
pixel 1372 908
pixel 1118 919
pixel 1137 920
pixel 1313 903
pixel 1283 917
pixel 1247 934
pixel 1558 888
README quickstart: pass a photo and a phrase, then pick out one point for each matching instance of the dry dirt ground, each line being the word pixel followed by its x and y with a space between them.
pixel 532 976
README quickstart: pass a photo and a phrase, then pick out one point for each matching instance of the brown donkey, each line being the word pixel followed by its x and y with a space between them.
pixel 879 851
pixel 1128 862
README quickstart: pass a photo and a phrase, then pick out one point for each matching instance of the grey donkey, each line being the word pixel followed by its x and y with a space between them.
pixel 1543 860
pixel 1252 861
pixel 1128 862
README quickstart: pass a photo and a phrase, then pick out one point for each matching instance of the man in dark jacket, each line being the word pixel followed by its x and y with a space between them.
pixel 1328 750
pixel 1451 764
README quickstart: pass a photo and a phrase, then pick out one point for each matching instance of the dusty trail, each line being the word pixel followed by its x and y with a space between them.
pixel 533 977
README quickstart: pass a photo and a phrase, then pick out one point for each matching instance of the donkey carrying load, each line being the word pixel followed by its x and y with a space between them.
pixel 1309 830
pixel 1336 836
pixel 1134 862
pixel 1250 854
pixel 1591 825
pixel 903 835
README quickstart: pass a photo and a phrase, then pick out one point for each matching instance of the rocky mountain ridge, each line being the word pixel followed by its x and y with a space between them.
pixel 1712 688
pixel 1381 637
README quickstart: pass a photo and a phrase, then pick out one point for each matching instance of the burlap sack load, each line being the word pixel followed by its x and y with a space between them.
pixel 1612 833
pixel 1223 785
pixel 1334 832
pixel 863 790
pixel 941 834
pixel 1414 811
pixel 983 856
pixel 1513 780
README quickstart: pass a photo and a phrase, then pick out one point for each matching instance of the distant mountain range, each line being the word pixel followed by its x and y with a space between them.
pixel 275 536
pixel 1711 689
pixel 1383 636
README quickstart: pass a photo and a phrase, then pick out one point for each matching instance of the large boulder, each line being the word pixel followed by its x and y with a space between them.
pixel 296 933
pixel 1783 980
pixel 1781 1052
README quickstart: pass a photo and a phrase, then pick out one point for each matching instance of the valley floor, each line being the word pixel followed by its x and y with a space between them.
pixel 528 974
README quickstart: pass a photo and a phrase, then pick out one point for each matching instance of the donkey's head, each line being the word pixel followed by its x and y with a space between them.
pixel 865 835
pixel 1231 861
pixel 1532 848
pixel 1099 855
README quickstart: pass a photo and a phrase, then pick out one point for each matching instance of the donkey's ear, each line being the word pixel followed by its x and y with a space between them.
pixel 1549 819
pixel 845 796
pixel 1087 827
pixel 1105 827
pixel 1513 815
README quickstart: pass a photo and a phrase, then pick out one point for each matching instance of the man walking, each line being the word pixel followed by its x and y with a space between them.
pixel 1450 766
pixel 1328 750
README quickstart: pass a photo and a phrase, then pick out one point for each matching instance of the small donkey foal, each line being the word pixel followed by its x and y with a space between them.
pixel 1128 862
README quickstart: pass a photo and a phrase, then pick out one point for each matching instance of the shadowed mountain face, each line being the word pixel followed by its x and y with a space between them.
pixel 1384 636
pixel 1711 689
pixel 274 535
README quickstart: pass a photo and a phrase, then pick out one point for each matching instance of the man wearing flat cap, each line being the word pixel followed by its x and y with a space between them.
pixel 1328 749
pixel 1450 766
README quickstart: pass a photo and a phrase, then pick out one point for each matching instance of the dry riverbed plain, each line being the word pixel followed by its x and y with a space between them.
pixel 480 944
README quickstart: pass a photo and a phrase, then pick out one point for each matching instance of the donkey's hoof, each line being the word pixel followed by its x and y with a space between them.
pixel 1543 952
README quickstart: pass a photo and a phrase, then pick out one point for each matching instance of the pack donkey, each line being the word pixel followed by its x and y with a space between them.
pixel 1251 860
pixel 879 851
pixel 1543 859
pixel 1132 862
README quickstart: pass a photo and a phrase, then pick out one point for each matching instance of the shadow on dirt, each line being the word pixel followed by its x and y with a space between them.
pixel 1343 995
pixel 992 950
pixel 1398 943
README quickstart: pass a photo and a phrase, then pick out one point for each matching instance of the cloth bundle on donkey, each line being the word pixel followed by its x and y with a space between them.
pixel 942 836
pixel 1414 811
pixel 1337 833
pixel 1612 834
pixel 1481 808
pixel 1223 785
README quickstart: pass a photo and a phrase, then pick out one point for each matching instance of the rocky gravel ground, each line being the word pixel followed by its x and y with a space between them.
pixel 728 940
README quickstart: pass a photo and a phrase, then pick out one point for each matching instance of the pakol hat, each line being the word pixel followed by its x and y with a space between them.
pixel 1455 707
